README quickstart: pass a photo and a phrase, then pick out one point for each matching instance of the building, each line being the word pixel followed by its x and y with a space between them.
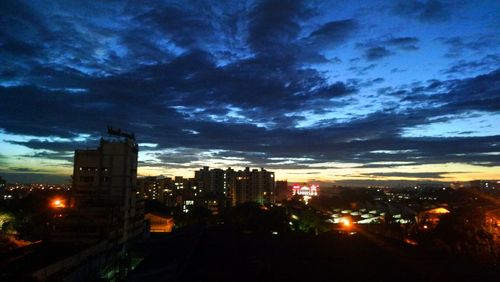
pixel 103 200
pixel 251 186
pixel 150 188
pixel 186 193
pixel 304 191
pixel 214 189
pixel 176 192
pixel 3 183
pixel 221 188
pixel 157 188
pixel 211 181
pixel 492 224
pixel 429 219
pixel 211 189
pixel 94 229
pixel 202 177
pixel 159 223
pixel 282 191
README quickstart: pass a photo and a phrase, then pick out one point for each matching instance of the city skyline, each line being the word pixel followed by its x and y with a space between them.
pixel 321 91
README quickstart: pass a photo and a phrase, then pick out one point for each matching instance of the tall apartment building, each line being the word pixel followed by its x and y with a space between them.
pixel 156 188
pixel 2 185
pixel 211 181
pixel 175 192
pixel 264 189
pixel 250 186
pixel 186 192
pixel 104 195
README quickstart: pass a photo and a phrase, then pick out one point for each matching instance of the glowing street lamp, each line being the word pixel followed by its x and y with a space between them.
pixel 58 203
pixel 345 222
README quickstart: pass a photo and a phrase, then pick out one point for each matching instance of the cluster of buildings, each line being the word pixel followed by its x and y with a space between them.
pixel 212 188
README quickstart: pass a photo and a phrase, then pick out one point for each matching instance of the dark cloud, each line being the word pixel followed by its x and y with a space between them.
pixel 466 67
pixel 332 33
pixel 405 43
pixel 184 26
pixel 377 49
pixel 273 25
pixel 457 45
pixel 346 142
pixel 232 82
pixel 34 177
pixel 376 53
pixel 423 10
pixel 54 145
pixel 432 175
pixel 59 155
pixel 23 169
pixel 362 70
pixel 481 93
pixel 397 70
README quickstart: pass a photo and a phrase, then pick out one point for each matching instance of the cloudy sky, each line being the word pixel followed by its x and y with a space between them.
pixel 346 91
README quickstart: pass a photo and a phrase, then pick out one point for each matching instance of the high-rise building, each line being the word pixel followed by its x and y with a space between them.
pixel 104 195
pixel 186 193
pixel 212 188
pixel 217 182
pixel 156 188
pixel 177 192
pixel 202 178
pixel 230 187
pixel 251 186
pixel 211 181
pixel 2 184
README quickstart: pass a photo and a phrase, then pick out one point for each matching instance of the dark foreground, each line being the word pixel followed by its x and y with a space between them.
pixel 224 254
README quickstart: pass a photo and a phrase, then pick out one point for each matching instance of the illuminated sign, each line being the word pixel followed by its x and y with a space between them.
pixel 310 191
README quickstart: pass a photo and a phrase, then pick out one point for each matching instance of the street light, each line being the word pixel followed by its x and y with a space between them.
pixel 345 221
pixel 58 203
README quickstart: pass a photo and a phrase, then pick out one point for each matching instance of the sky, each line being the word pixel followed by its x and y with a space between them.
pixel 346 92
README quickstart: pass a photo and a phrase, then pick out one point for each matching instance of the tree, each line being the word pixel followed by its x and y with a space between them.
pixel 464 232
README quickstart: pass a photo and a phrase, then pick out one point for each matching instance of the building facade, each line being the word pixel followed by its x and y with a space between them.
pixel 3 183
pixel 282 191
pixel 103 201
pixel 250 186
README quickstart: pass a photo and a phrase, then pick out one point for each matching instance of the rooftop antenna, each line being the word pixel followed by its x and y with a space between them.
pixel 119 132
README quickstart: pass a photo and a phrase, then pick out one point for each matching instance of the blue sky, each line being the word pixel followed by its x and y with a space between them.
pixel 332 91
